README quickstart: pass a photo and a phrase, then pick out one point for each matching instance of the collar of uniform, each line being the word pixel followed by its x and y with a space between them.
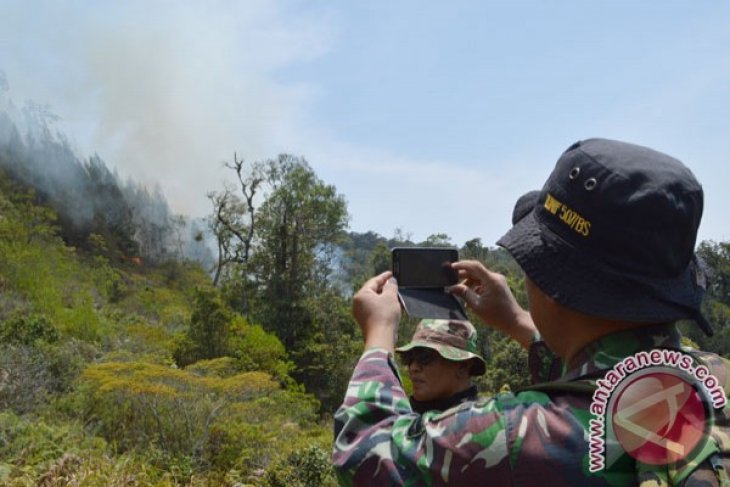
pixel 607 351
pixel 421 407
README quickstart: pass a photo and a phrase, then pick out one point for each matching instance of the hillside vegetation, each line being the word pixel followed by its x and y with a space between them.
pixel 130 354
pixel 90 391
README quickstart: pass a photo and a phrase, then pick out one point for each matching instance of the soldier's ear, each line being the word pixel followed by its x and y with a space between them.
pixel 464 369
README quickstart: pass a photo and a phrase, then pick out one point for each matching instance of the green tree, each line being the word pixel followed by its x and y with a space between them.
pixel 277 265
pixel 327 353
pixel 298 226
pixel 437 240
pixel 474 250
pixel 363 255
pixel 255 349
pixel 716 306
pixel 717 257
pixel 381 259
pixel 506 365
pixel 208 334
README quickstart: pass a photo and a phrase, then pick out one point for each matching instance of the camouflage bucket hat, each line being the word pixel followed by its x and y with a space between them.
pixel 454 340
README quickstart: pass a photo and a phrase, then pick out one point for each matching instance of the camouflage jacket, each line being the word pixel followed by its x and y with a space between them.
pixel 528 438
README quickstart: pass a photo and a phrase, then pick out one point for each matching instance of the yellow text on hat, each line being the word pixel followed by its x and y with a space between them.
pixel 570 217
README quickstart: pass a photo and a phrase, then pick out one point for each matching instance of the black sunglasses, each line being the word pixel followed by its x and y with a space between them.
pixel 421 355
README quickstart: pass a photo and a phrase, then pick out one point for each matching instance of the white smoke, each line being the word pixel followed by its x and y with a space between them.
pixel 165 91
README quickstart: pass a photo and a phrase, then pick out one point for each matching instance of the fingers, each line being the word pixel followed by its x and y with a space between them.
pixel 390 286
pixel 377 310
pixel 464 292
pixel 474 274
pixel 470 269
pixel 377 283
pixel 469 282
pixel 458 289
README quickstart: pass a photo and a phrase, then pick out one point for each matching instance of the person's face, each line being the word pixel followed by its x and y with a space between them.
pixel 434 377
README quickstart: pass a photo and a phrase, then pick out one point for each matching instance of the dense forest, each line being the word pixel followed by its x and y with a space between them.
pixel 138 347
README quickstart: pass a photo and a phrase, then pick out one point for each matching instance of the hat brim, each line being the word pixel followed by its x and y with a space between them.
pixel 449 353
pixel 581 282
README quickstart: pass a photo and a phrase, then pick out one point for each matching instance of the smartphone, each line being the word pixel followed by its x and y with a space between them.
pixel 423 273
pixel 424 267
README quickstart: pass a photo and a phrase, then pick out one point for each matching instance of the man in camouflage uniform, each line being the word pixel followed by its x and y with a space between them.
pixel 441 359
pixel 607 247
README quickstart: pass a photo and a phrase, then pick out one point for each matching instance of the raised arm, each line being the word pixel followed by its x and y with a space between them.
pixel 489 296
pixel 377 310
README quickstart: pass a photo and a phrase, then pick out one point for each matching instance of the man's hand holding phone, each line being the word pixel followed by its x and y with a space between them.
pixel 377 310
pixel 489 296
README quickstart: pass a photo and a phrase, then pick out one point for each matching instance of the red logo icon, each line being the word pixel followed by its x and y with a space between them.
pixel 659 418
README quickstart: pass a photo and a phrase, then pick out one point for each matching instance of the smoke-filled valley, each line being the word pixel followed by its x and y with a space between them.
pixel 94 207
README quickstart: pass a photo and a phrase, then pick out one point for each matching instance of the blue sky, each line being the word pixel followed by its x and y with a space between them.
pixel 431 117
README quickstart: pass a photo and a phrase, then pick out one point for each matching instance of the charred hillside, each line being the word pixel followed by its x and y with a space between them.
pixel 97 211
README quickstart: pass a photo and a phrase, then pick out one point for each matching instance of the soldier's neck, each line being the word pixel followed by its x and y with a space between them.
pixel 570 331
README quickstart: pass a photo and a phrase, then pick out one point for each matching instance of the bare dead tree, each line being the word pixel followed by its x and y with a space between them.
pixel 234 216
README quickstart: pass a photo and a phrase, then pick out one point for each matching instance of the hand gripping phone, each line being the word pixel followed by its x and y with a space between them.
pixel 423 273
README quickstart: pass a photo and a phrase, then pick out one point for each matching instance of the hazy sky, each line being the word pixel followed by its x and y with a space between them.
pixel 432 117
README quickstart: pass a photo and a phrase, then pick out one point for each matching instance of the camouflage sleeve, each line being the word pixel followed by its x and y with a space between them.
pixel 379 440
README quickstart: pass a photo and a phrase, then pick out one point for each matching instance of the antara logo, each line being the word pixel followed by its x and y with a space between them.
pixel 656 405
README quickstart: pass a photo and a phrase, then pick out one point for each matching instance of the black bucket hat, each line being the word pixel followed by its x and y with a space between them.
pixel 612 234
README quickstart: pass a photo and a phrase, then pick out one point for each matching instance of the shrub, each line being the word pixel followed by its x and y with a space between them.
pixel 308 467
pixel 135 405
pixel 254 433
pixel 30 374
pixel 30 444
pixel 217 367
pixel 257 349
pixel 26 329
